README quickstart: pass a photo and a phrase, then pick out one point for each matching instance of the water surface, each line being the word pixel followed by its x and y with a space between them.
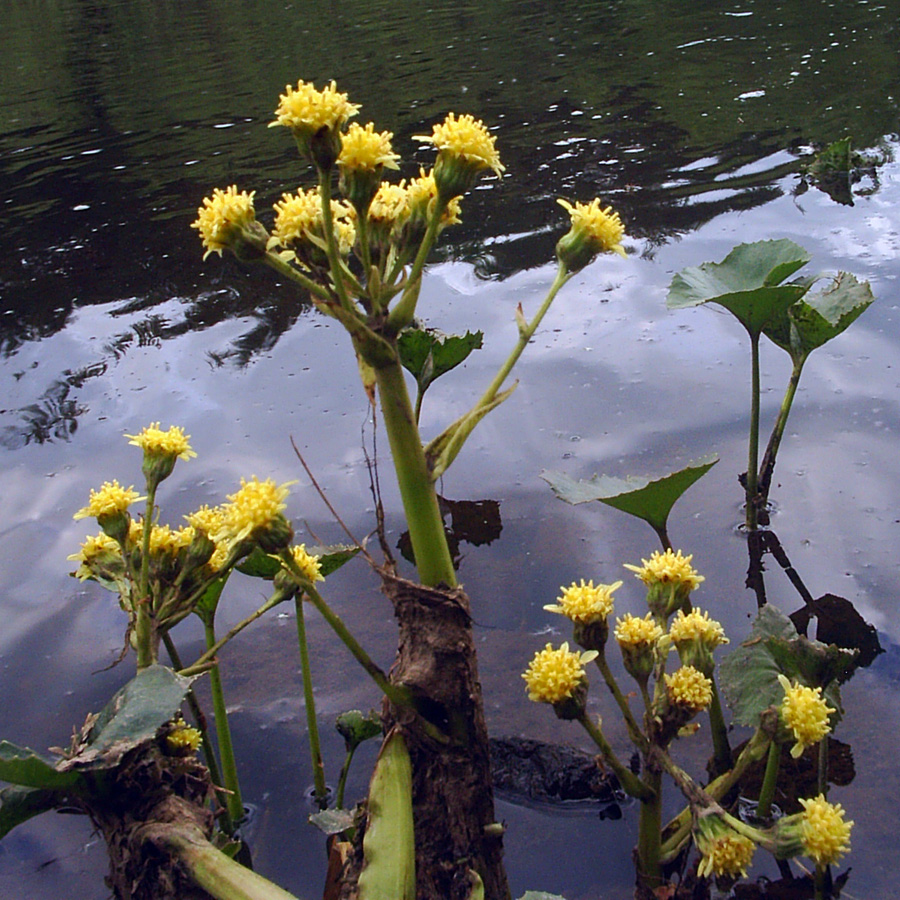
pixel 692 120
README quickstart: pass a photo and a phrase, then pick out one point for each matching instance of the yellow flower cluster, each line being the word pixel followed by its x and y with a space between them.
pixel 696 626
pixel 422 191
pixel 553 675
pixel 390 205
pixel 583 603
pixel 601 228
pixel 299 215
pixel 823 832
pixel 668 568
pixel 222 217
pixel 689 688
pixel 728 854
pixel 367 149
pixel 153 441
pixel 251 509
pixel 637 633
pixel 184 739
pixel 805 713
pixel 466 138
pixel 307 110
pixel 307 563
pixel 111 499
pixel 95 550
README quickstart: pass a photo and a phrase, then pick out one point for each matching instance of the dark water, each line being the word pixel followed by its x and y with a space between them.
pixel 692 119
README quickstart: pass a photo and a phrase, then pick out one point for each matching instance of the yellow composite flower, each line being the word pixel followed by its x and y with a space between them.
pixel 727 853
pixel 583 603
pixel 307 563
pixel 553 675
pixel 824 834
pixel 300 214
pixel 696 626
pixel 423 192
pixel 96 549
pixel 637 632
pixel 690 688
pixel 592 230
pixel 110 500
pixel 390 205
pixel 365 148
pixel 183 739
pixel 805 713
pixel 153 441
pixel 724 851
pixel 306 110
pixel 466 138
pixel 223 218
pixel 668 568
pixel 207 519
pixel 255 507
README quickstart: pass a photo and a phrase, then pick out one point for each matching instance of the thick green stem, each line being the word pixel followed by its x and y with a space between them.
pixel 753 450
pixel 219 875
pixel 721 749
pixel 426 526
pixel 234 802
pixel 630 783
pixel 770 781
pixel 650 830
pixel 309 701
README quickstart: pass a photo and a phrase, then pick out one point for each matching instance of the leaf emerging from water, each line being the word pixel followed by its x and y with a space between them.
pixel 748 282
pixel 648 499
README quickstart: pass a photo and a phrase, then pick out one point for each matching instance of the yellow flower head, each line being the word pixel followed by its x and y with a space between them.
pixel 638 633
pixel 112 499
pixel 227 220
pixel 601 228
pixel 467 138
pixel 390 205
pixel 252 511
pixel 824 834
pixel 155 442
pixel 805 713
pixel 667 568
pixel 300 215
pixel 725 852
pixel 465 148
pixel 95 550
pixel 696 627
pixel 304 109
pixel 207 519
pixel 553 675
pixel 183 739
pixel 423 193
pixel 307 563
pixel 365 148
pixel 689 688
pixel 583 603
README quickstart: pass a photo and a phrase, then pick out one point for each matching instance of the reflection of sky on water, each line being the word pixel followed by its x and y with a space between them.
pixel 113 322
